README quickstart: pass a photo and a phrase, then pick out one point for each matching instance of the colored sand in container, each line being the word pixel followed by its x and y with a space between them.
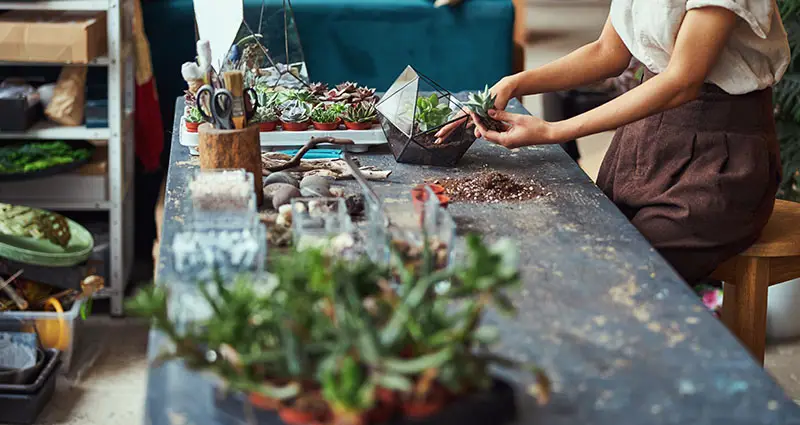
pixel 489 187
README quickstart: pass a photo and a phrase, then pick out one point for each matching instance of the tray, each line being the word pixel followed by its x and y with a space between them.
pixel 21 404
pixel 495 407
pixel 45 253
pixel 363 139
pixel 57 169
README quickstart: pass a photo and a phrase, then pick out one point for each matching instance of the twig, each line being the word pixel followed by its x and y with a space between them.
pixel 21 303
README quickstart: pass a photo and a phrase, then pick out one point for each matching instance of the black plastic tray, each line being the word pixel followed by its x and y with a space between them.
pixel 495 407
pixel 57 169
pixel 21 404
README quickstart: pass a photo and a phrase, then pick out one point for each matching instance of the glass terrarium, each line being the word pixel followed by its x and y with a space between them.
pixel 268 49
pixel 321 222
pixel 404 227
pixel 411 113
pixel 221 195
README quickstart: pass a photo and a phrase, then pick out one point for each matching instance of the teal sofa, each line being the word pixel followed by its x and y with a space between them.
pixel 368 41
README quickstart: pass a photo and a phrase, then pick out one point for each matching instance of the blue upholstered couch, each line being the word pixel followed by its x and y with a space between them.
pixel 368 41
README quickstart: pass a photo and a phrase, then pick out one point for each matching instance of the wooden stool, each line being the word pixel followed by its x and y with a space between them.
pixel 774 258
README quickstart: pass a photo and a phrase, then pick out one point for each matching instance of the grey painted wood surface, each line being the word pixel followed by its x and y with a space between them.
pixel 623 338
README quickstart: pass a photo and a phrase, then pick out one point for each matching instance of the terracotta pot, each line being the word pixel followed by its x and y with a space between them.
pixel 358 125
pixel 419 197
pixel 327 126
pixel 266 127
pixel 260 401
pixel 191 127
pixel 422 409
pixel 387 396
pixel 380 414
pixel 294 126
pixel 292 416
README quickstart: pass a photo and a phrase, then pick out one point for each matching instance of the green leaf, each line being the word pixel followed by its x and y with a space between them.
pixel 393 382
pixel 487 335
pixel 419 364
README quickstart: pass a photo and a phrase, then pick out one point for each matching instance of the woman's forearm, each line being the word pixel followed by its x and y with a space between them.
pixel 605 58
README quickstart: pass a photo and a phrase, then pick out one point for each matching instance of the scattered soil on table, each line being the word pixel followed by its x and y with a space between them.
pixel 489 187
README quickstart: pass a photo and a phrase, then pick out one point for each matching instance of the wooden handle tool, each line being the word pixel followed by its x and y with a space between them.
pixel 234 82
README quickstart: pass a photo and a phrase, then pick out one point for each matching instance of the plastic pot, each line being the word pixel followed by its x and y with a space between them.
pixel 191 127
pixel 326 126
pixel 358 125
pixel 294 126
pixel 292 416
pixel 23 376
pixel 260 401
pixel 265 127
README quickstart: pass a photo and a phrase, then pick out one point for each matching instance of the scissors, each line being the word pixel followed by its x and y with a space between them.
pixel 219 104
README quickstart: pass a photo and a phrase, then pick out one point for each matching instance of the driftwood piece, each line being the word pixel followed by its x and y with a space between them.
pixel 232 149
pixel 333 168
pixel 311 144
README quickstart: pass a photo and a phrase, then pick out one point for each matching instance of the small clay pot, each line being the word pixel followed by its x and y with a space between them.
pixel 191 127
pixel 260 401
pixel 381 413
pixel 387 396
pixel 420 196
pixel 292 416
pixel 358 125
pixel 265 127
pixel 422 409
pixel 294 126
pixel 326 126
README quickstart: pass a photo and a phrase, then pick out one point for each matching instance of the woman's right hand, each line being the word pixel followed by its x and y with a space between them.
pixel 504 90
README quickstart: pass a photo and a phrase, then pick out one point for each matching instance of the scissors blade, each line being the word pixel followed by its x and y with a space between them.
pixel 223 109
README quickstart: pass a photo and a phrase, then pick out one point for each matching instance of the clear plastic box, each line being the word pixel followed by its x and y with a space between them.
pixel 227 202
pixel 59 330
pixel 317 220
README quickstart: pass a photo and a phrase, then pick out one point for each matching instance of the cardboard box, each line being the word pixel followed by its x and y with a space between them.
pixel 52 36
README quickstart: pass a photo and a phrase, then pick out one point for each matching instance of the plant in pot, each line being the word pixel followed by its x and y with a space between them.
pixel 360 116
pixel 266 118
pixel 193 119
pixel 325 117
pixel 299 95
pixel 480 103
pixel 431 113
pixel 295 116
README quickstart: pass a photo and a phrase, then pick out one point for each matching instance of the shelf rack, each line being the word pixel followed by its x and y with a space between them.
pixel 74 192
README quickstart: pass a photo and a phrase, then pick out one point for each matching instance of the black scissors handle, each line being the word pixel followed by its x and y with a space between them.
pixel 222 109
pixel 206 92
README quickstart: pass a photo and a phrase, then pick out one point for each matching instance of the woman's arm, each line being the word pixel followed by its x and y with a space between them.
pixel 701 37
pixel 603 58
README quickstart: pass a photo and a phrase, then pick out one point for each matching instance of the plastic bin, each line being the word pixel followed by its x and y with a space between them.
pixel 56 330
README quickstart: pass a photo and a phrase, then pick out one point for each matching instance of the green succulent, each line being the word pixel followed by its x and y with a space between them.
pixel 430 113
pixel 264 114
pixel 361 112
pixel 338 107
pixel 480 103
pixel 300 95
pixel 193 115
pixel 324 115
pixel 296 112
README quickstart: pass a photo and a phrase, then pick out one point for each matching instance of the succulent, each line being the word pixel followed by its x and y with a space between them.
pixel 324 114
pixel 431 113
pixel 361 112
pixel 301 95
pixel 266 96
pixel 480 103
pixel 190 100
pixel 350 93
pixel 297 113
pixel 339 108
pixel 318 89
pixel 346 87
pixel 192 114
pixel 264 114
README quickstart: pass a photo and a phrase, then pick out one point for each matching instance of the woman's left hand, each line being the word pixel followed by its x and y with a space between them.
pixel 523 130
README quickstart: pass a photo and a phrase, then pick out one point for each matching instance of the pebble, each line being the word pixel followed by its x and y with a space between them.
pixel 284 196
pixel 270 189
pixel 314 191
pixel 281 177
pixel 315 181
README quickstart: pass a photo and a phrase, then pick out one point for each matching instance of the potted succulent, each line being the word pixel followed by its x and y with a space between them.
pixel 192 118
pixel 480 103
pixel 430 113
pixel 266 118
pixel 360 116
pixel 295 116
pixel 325 117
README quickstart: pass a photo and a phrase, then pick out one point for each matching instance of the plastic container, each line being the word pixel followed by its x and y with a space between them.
pixel 317 220
pixel 234 197
pixel 22 404
pixel 60 330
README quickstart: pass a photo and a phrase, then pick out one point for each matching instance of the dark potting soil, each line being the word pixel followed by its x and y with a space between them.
pixel 490 187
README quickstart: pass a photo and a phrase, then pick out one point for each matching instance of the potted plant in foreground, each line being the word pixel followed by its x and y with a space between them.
pixel 193 119
pixel 360 116
pixel 266 118
pixel 325 117
pixel 324 340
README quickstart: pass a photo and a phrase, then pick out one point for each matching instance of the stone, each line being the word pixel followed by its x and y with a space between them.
pixel 281 177
pixel 314 191
pixel 284 195
pixel 318 181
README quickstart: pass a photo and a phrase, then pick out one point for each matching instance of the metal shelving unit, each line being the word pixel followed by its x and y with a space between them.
pixel 113 192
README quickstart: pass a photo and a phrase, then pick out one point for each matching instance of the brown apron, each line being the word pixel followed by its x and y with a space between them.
pixel 699 180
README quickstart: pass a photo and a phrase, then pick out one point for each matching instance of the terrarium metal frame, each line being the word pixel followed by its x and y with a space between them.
pixel 407 143
pixel 267 68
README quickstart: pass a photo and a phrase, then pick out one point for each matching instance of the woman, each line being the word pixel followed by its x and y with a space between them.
pixel 694 163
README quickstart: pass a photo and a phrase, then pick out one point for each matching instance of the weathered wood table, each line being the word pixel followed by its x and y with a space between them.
pixel 623 338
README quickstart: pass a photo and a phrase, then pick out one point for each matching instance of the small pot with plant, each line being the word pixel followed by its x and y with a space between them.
pixel 295 116
pixel 266 118
pixel 193 119
pixel 360 116
pixel 324 118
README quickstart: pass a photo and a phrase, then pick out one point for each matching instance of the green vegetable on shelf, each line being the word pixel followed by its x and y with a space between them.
pixel 39 156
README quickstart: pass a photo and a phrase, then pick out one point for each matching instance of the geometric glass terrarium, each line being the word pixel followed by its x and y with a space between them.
pixel 270 53
pixel 411 113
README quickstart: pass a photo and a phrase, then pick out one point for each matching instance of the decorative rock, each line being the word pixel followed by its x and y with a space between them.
pixel 314 191
pixel 281 177
pixel 269 190
pixel 284 195
pixel 337 192
pixel 318 181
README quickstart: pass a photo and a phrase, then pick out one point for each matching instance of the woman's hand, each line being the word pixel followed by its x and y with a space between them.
pixel 523 130
pixel 504 90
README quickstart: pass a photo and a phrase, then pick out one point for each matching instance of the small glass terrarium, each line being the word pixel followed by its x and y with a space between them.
pixel 221 195
pixel 412 111
pixel 322 222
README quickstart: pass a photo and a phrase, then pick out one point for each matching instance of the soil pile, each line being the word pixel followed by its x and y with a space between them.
pixel 490 187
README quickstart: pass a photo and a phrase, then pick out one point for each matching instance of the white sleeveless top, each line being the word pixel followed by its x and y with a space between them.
pixel 755 57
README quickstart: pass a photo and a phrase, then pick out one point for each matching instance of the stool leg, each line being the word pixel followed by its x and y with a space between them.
pixel 745 312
